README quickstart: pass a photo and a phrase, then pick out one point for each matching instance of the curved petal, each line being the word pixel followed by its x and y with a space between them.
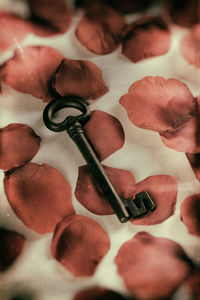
pixel 18 145
pixel 12 244
pixel 31 70
pixel 39 195
pixel 81 78
pixel 163 191
pixel 145 38
pixel 190 46
pixel 79 244
pixel 105 133
pixel 190 214
pixel 90 195
pixel 98 293
pixel 194 160
pixel 159 104
pixel 146 260
pixel 192 284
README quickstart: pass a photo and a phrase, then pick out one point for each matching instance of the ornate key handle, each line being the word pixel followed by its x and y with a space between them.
pixel 123 208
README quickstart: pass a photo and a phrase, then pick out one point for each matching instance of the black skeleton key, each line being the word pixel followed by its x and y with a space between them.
pixel 123 208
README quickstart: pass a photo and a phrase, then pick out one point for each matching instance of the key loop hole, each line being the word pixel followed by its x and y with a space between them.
pixel 58 104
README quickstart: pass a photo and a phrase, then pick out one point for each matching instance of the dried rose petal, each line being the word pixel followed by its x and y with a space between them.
pixel 97 293
pixel 81 78
pixel 163 191
pixel 100 29
pixel 194 160
pixel 12 30
pixel 18 145
pixel 90 196
pixel 159 104
pixel 105 133
pixel 12 244
pixel 39 195
pixel 49 17
pixel 145 38
pixel 31 70
pixel 190 46
pixel 79 244
pixel 145 261
pixel 190 214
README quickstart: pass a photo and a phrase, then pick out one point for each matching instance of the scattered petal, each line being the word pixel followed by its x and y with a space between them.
pixel 100 29
pixel 163 191
pixel 194 160
pixel 19 144
pixel 159 104
pixel 145 38
pixel 31 69
pixel 39 195
pixel 145 261
pixel 12 244
pixel 190 46
pixel 105 133
pixel 81 78
pixel 97 293
pixel 90 195
pixel 79 244
pixel 190 214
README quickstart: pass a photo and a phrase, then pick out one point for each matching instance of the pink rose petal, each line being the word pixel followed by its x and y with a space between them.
pixel 98 293
pixel 194 160
pixel 152 268
pixel 145 38
pixel 105 133
pixel 190 46
pixel 18 145
pixel 79 244
pixel 39 195
pixel 190 214
pixel 90 195
pixel 31 70
pixel 163 191
pixel 11 244
pixel 81 78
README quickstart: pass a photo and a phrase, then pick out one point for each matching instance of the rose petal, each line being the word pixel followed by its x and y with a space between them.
pixel 190 46
pixel 145 261
pixel 101 29
pixel 159 104
pixel 193 284
pixel 19 144
pixel 49 17
pixel 105 133
pixel 145 38
pixel 97 293
pixel 194 160
pixel 39 195
pixel 79 244
pixel 31 70
pixel 190 214
pixel 12 30
pixel 12 244
pixel 90 195
pixel 163 191
pixel 81 78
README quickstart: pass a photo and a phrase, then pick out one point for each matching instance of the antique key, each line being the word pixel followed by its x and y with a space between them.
pixel 125 209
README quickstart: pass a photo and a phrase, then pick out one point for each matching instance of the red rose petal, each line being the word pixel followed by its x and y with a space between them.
pixel 81 78
pixel 190 46
pixel 31 70
pixel 97 293
pixel 105 133
pixel 101 29
pixel 12 244
pixel 90 196
pixel 39 195
pixel 190 214
pixel 79 244
pixel 163 191
pixel 49 17
pixel 18 144
pixel 194 160
pixel 152 268
pixel 159 104
pixel 193 284
pixel 12 30
pixel 145 38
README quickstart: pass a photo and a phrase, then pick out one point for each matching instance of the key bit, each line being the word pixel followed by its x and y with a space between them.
pixel 123 208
